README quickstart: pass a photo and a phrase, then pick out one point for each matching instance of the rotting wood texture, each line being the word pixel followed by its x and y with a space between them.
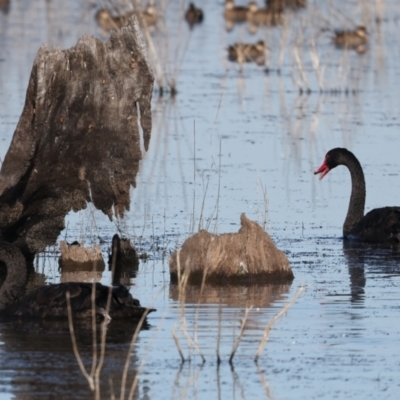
pixel 77 139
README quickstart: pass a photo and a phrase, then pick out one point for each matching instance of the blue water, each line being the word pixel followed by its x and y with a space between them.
pixel 236 139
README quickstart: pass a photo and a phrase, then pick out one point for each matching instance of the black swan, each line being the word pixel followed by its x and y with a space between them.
pixel 50 301
pixel 380 224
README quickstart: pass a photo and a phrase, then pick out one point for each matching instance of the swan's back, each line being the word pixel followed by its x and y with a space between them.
pixel 378 225
pixel 51 302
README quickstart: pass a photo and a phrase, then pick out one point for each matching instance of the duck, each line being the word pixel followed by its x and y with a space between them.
pixel 234 13
pixel 356 39
pixel 378 225
pixel 150 15
pixel 256 16
pixel 108 22
pixel 243 52
pixel 193 15
pixel 280 5
pixel 51 301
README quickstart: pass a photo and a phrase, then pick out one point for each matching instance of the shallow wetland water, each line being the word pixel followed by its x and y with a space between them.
pixel 235 139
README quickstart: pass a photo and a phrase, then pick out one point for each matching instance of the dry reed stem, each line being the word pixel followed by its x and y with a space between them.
pixel 219 186
pixel 128 358
pixel 178 346
pixel 264 383
pixel 218 108
pixel 282 44
pixel 236 382
pixel 203 203
pixel 300 65
pixel 219 333
pixel 182 282
pixel 179 290
pixel 94 330
pixel 265 200
pixel 94 377
pixel 190 340
pixel 142 363
pixel 196 319
pixel 237 341
pixel 133 341
pixel 273 320
pixel 172 81
pixel 194 176
pixel 104 329
pixel 112 394
pixel 88 377
pixel 216 207
pixel 316 64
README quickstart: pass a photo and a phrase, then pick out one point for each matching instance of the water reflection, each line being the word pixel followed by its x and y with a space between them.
pixel 37 357
pixel 379 260
pixel 232 295
pixel 225 381
pixel 355 262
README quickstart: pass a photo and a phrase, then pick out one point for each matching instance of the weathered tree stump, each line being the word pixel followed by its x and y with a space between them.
pixel 123 260
pixel 75 257
pixel 247 256
pixel 123 252
pixel 77 139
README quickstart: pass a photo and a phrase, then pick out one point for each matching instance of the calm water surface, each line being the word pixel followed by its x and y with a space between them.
pixel 235 139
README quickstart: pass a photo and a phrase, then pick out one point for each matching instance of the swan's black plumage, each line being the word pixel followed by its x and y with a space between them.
pixel 378 225
pixel 51 301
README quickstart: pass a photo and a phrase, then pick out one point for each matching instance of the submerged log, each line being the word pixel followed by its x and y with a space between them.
pixel 247 256
pixel 77 139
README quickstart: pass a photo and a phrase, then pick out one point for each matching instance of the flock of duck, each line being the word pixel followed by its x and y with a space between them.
pixel 252 14
pixel 381 225
pixel 273 14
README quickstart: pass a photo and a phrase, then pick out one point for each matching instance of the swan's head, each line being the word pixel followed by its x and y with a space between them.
pixel 332 159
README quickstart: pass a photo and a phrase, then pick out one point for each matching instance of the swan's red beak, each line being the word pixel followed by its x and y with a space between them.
pixel 323 170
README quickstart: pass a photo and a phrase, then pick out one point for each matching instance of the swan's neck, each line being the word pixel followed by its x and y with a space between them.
pixel 13 286
pixel 357 200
